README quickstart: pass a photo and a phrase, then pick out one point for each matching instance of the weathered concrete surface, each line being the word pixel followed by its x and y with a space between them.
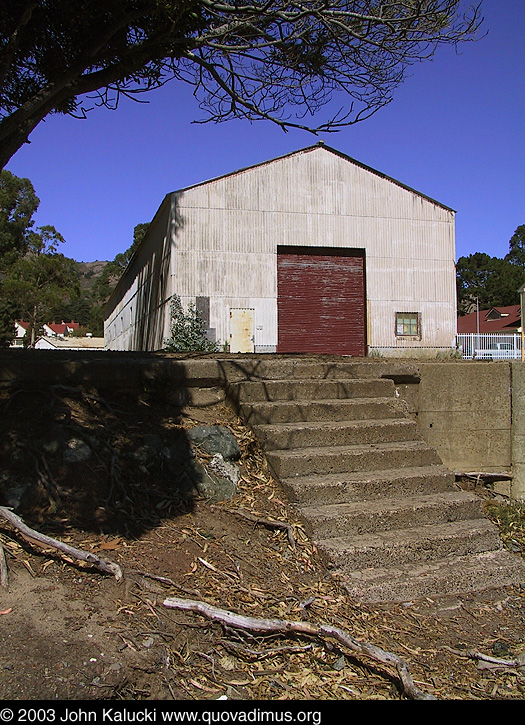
pixel 374 495
pixel 472 413
pixel 382 506
pixel 518 431
pixel 180 380
pixel 464 410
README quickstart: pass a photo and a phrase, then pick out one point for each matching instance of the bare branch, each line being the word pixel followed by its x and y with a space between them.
pixel 322 631
pixel 260 59
pixel 36 537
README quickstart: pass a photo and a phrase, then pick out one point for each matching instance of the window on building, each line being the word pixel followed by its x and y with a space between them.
pixel 408 324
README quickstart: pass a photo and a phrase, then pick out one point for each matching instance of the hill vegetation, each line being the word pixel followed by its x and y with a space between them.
pixel 39 284
pixel 492 281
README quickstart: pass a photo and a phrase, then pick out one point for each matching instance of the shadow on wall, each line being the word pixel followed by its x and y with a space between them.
pixel 152 302
pixel 94 440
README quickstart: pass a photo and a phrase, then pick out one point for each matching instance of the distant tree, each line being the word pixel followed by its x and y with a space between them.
pixel 77 307
pixel 39 280
pixel 18 204
pixel 516 253
pixel 7 322
pixel 113 270
pixel 491 281
pixel 33 277
pixel 121 261
pixel 255 59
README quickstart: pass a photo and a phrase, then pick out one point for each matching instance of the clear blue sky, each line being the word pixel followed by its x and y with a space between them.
pixel 454 131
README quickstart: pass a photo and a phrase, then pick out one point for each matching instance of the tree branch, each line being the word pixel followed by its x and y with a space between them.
pixel 320 631
pixel 36 537
pixel 252 60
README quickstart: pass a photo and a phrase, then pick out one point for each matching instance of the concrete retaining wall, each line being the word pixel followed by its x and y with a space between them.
pixel 465 411
pixel 518 430
pixel 473 413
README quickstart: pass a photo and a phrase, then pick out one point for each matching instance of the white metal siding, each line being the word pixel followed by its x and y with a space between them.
pixel 224 235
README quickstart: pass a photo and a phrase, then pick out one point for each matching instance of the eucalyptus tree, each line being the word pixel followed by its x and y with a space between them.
pixel 34 276
pixel 253 59
pixel 18 204
pixel 40 280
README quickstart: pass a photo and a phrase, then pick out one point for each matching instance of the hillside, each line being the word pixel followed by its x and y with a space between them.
pixel 89 272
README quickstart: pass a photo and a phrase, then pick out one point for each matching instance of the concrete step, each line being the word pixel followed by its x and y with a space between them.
pixel 383 511
pixel 266 368
pixel 339 488
pixel 414 545
pixel 347 459
pixel 369 517
pixel 453 575
pixel 303 390
pixel 296 411
pixel 285 436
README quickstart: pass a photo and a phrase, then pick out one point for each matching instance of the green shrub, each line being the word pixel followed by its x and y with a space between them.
pixel 187 330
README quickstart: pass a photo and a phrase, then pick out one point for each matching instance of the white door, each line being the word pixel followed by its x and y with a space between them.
pixel 242 328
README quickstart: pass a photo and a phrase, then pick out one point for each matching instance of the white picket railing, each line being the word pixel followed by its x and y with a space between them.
pixel 489 346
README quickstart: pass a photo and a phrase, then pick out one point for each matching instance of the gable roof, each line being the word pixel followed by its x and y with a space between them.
pixel 62 328
pixel 496 319
pixel 308 149
pixel 74 343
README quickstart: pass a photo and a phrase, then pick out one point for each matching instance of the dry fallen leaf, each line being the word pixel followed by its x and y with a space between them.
pixel 111 545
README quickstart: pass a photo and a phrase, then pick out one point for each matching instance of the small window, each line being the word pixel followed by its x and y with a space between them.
pixel 408 324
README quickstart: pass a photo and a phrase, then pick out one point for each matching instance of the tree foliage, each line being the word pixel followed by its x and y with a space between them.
pixel 245 58
pixel 516 254
pixel 36 282
pixel 18 204
pixel 34 277
pixel 113 270
pixel 187 330
pixel 492 281
pixel 39 280
pixel 7 321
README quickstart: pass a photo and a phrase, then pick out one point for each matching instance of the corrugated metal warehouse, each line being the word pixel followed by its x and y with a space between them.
pixel 308 252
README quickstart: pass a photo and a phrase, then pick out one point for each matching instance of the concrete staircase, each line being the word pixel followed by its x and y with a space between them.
pixel 384 512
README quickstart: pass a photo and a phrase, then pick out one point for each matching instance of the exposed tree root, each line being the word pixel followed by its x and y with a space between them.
pixel 35 537
pixel 320 631
pixel 495 662
pixel 4 576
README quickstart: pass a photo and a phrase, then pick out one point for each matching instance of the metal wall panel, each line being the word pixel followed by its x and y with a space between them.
pixel 223 237
pixel 321 302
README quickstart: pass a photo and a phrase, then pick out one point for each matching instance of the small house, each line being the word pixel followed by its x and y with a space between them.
pixel 21 330
pixel 59 342
pixel 496 319
pixel 60 329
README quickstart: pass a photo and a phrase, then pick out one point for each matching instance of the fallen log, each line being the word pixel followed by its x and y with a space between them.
pixel 320 631
pixel 41 539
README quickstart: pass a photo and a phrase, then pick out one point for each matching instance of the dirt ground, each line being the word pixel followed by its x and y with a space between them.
pixel 71 632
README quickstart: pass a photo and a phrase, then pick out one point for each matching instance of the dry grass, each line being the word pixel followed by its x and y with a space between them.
pixel 509 517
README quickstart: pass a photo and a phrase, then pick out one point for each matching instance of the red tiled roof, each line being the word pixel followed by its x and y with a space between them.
pixel 62 328
pixel 59 328
pixel 497 319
